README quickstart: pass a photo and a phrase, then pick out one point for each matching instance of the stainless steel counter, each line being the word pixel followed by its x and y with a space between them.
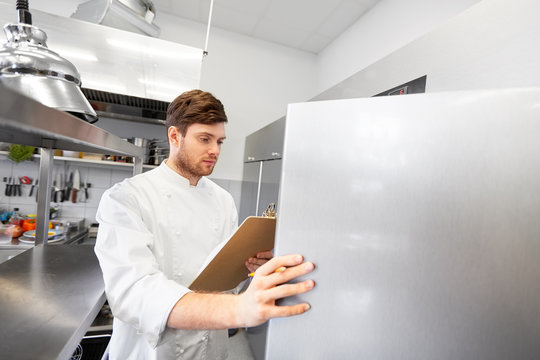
pixel 49 297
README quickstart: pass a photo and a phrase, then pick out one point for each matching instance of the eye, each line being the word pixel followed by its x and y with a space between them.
pixel 204 139
pixel 220 142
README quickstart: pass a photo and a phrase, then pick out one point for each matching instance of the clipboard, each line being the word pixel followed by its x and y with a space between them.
pixel 227 269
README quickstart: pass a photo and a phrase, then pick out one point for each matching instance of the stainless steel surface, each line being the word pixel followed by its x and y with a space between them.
pixel 269 188
pixel 137 166
pixel 26 121
pixel 421 215
pixel 249 193
pixel 8 254
pixel 128 117
pixel 118 61
pixel 29 67
pixel 130 15
pixel 50 296
pixel 266 143
pixel 260 187
pixel 259 184
pixel 44 194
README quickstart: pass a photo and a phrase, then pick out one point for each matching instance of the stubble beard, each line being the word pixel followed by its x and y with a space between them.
pixel 189 167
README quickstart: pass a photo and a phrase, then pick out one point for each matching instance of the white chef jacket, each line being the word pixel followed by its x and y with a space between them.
pixel 155 232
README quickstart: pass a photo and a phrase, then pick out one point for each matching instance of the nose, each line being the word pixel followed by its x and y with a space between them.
pixel 214 149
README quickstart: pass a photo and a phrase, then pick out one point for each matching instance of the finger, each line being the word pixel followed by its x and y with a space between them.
pixel 252 268
pixel 290 310
pixel 284 275
pixel 279 261
pixel 286 290
pixel 256 261
pixel 265 255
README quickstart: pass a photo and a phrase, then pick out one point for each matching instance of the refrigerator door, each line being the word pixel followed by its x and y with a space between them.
pixel 421 213
pixel 271 174
pixel 250 190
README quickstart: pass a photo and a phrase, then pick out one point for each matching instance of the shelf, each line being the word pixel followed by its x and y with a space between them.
pixel 86 161
pixel 27 122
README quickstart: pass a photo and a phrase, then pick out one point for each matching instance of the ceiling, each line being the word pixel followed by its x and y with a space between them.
pixel 308 25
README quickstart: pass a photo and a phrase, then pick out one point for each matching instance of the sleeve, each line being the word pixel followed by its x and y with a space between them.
pixel 137 290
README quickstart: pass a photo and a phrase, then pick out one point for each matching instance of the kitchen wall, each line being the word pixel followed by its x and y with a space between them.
pixel 254 79
pixel 490 45
pixel 257 79
pixel 100 177
pixel 388 26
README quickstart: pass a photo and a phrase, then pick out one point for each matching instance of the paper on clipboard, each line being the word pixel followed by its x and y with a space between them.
pixel 227 269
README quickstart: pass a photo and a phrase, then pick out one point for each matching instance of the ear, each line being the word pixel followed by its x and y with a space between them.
pixel 173 134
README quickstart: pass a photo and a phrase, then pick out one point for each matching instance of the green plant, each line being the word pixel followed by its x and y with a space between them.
pixel 20 153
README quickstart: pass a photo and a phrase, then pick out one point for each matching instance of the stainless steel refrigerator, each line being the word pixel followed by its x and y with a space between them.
pixel 260 187
pixel 422 215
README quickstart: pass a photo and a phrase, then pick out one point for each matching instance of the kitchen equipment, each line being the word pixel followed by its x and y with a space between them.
pixel 130 15
pixel 420 213
pixel 5 233
pixel 76 186
pixel 29 67
pixel 34 183
pixel 58 192
pixel 51 233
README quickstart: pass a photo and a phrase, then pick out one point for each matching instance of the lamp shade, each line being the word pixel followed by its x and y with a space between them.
pixel 29 67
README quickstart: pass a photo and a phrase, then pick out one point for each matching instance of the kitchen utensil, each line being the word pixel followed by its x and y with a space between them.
pixel 57 194
pixel 34 183
pixel 51 233
pixel 68 187
pixel 76 186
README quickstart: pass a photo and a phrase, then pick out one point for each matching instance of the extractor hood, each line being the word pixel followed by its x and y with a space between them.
pixel 130 15
pixel 125 75
pixel 125 107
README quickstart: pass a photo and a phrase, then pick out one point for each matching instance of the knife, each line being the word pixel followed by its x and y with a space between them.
pixel 57 194
pixel 68 186
pixel 76 186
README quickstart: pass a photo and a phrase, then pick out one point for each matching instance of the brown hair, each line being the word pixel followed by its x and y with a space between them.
pixel 195 106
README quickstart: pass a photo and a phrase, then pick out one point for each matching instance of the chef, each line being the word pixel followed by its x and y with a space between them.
pixel 155 232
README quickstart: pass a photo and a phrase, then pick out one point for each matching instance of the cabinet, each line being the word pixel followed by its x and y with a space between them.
pixel 266 143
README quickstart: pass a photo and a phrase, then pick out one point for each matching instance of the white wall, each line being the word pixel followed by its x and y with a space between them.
pixel 490 45
pixel 388 26
pixel 257 79
pixel 254 79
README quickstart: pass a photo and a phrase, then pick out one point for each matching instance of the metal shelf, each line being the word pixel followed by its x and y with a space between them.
pixel 83 161
pixel 28 122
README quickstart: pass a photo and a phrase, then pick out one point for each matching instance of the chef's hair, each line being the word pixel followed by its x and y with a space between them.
pixel 194 106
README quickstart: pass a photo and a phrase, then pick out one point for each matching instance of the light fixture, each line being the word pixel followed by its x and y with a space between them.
pixel 29 67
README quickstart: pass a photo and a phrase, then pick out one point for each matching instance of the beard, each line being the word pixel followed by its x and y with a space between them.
pixel 190 166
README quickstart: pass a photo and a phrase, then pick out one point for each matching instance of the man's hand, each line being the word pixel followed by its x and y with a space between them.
pixel 253 263
pixel 254 306
pixel 258 303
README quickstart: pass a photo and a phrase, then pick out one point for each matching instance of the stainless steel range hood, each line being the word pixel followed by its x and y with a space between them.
pixel 130 15
pixel 125 107
pixel 125 75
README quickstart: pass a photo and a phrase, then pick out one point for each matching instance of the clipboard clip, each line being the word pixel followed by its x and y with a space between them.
pixel 270 211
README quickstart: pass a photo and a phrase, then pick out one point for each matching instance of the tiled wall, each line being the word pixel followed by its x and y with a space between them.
pixel 101 177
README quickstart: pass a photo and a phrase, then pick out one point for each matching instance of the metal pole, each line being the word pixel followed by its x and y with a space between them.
pixel 259 187
pixel 205 51
pixel 137 165
pixel 44 192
